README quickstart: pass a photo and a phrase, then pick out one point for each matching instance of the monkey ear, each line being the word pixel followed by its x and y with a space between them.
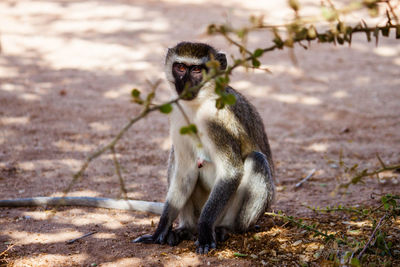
pixel 169 53
pixel 222 60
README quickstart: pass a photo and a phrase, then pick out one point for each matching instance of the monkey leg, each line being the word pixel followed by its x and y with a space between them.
pixel 189 215
pixel 254 194
pixel 259 190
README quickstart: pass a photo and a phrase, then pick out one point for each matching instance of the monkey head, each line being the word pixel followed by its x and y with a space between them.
pixel 184 65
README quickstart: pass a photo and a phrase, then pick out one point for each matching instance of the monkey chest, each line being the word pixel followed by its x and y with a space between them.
pixel 195 157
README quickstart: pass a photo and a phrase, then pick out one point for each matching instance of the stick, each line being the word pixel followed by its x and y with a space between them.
pixel 7 249
pixel 76 239
pixel 96 202
pixel 371 237
pixel 305 179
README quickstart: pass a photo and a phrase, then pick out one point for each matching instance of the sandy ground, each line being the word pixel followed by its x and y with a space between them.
pixel 66 71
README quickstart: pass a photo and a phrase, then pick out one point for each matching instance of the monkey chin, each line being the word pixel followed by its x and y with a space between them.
pixel 187 96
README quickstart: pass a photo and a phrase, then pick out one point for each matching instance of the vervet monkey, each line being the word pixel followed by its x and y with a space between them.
pixel 220 180
pixel 224 181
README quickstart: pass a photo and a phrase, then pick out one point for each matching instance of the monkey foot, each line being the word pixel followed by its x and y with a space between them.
pixel 221 234
pixel 204 249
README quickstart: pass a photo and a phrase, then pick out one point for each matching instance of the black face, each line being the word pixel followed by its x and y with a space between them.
pixel 187 77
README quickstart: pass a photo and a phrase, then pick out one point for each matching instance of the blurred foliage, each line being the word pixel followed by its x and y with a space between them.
pixel 305 29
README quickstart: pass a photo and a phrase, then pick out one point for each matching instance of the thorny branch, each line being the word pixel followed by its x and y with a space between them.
pixel 379 225
pixel 118 171
pixel 300 224
pixel 365 173
pixel 148 108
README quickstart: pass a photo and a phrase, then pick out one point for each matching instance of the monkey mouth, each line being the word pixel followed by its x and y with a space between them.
pixel 186 93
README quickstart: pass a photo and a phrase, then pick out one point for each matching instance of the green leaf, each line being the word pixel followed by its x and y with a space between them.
pixel 223 81
pixel 340 27
pixel 241 33
pixel 311 33
pixel 328 14
pixel 256 63
pixel 386 206
pixel 211 29
pixel 258 52
pixel 150 96
pixel 191 128
pixel 355 262
pixel 347 255
pixel 230 99
pixel 278 41
pixel 301 34
pixel 219 90
pixel 166 108
pixel 294 4
pixel 135 93
pixel 373 11
pixel 219 103
pixel 237 254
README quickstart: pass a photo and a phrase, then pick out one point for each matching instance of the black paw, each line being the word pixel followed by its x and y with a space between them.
pixel 206 240
pixel 222 234
pixel 204 248
pixel 185 234
pixel 146 239
pixel 173 238
pixel 159 237
pixel 167 237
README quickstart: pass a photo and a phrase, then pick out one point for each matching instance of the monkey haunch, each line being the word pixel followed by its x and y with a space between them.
pixel 226 183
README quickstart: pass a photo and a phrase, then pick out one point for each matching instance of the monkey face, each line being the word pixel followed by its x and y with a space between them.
pixel 185 64
pixel 186 77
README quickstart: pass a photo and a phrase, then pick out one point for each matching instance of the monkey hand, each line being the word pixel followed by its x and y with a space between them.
pixel 206 240
pixel 146 239
pixel 159 237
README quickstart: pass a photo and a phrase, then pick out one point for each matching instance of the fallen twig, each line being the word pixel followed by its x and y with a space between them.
pixel 76 239
pixel 305 179
pixel 7 249
pixel 372 236
pixel 300 224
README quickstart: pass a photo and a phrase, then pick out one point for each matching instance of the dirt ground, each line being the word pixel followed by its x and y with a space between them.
pixel 66 72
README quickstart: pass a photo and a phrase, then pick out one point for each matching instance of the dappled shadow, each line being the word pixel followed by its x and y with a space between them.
pixel 49 234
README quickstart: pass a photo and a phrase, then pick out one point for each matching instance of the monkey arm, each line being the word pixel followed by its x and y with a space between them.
pixel 229 173
pixel 182 180
pixel 213 208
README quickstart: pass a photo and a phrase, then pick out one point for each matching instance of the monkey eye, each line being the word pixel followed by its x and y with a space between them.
pixel 180 67
pixel 196 69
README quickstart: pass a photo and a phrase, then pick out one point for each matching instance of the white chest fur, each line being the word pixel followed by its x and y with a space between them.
pixel 193 151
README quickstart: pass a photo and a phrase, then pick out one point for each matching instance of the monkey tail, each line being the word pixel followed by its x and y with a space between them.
pixel 96 202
